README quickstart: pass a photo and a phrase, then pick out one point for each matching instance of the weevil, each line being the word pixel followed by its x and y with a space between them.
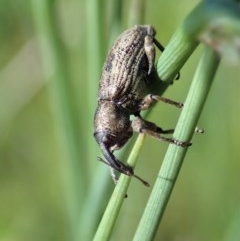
pixel 124 90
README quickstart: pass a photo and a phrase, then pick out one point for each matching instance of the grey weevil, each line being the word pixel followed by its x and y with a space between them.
pixel 125 90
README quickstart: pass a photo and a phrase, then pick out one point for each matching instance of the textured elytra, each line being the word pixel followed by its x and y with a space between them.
pixel 126 66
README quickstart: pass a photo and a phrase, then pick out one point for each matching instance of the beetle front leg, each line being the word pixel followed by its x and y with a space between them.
pixel 149 48
pixel 142 126
pixel 150 99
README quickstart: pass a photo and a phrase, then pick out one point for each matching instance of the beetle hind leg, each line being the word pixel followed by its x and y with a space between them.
pixel 142 126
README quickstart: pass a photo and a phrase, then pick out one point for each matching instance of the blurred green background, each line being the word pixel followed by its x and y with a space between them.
pixel 38 200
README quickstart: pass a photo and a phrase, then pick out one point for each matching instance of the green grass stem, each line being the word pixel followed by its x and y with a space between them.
pixel 101 186
pixel 174 157
pixel 186 38
pixel 136 13
pixel 66 118
pixel 96 48
pixel 111 213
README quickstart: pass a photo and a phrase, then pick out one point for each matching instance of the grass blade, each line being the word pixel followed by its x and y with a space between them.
pixel 174 157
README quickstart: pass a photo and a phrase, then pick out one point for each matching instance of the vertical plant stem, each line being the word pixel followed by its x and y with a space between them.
pixel 95 52
pixel 101 185
pixel 115 21
pixel 111 213
pixel 136 13
pixel 66 118
pixel 174 157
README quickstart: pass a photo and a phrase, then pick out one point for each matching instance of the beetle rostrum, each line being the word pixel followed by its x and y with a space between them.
pixel 125 90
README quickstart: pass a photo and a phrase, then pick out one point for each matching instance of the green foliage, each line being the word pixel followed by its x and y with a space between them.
pixel 52 187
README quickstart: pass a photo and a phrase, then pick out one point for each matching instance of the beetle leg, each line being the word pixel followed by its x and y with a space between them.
pixel 149 49
pixel 150 99
pixel 159 45
pixel 142 126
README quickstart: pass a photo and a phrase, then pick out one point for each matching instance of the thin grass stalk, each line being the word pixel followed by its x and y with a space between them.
pixel 137 12
pixel 185 40
pixel 101 185
pixel 111 213
pixel 115 21
pixel 105 228
pixel 95 56
pixel 194 23
pixel 65 116
pixel 178 51
pixel 174 157
pixel 188 32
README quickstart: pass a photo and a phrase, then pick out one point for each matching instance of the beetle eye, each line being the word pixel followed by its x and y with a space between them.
pixel 105 139
pixel 108 139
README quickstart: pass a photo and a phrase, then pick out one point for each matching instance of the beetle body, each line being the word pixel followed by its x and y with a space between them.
pixel 124 91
